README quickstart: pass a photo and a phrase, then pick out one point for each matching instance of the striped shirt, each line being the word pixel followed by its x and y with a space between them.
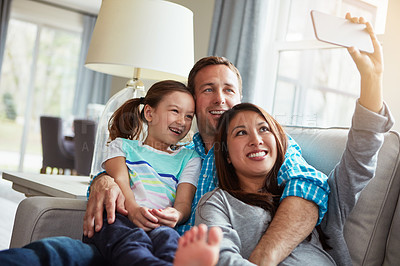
pixel 154 174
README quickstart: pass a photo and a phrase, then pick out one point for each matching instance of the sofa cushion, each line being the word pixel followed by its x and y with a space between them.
pixel 392 256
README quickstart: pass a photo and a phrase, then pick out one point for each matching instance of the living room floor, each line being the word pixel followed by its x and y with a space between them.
pixel 9 200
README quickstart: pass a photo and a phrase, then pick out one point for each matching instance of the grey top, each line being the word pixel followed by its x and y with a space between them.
pixel 243 225
pixel 350 176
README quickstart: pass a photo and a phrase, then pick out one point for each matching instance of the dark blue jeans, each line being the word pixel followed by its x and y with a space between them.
pixel 52 251
pixel 122 243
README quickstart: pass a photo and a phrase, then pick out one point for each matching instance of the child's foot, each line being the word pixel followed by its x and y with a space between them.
pixel 195 250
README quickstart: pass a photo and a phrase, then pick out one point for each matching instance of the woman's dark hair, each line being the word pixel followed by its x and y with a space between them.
pixel 127 121
pixel 269 196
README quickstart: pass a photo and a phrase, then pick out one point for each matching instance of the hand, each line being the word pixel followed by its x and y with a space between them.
pixel 370 67
pixel 103 191
pixel 168 216
pixel 367 63
pixel 142 217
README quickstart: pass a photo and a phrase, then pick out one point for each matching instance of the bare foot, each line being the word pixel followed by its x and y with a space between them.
pixel 195 250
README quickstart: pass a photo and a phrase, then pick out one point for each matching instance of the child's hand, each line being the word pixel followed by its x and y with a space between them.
pixel 143 218
pixel 168 216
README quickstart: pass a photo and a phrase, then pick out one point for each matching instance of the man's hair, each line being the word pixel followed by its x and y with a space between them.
pixel 208 61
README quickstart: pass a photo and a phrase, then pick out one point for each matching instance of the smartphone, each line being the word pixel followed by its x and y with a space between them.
pixel 340 31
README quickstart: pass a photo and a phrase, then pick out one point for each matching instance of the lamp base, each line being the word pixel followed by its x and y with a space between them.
pixel 102 134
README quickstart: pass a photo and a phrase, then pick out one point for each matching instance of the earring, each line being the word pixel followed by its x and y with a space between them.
pixel 228 160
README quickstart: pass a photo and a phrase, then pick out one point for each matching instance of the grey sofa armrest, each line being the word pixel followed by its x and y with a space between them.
pixel 40 217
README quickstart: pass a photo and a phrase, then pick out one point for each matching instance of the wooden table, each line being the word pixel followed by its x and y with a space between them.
pixel 65 186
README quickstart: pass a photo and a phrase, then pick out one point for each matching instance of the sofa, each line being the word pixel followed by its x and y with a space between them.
pixel 372 231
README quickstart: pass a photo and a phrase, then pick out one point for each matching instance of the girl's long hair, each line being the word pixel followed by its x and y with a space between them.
pixel 269 196
pixel 127 121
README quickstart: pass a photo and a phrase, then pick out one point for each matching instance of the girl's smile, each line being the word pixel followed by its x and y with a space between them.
pixel 170 120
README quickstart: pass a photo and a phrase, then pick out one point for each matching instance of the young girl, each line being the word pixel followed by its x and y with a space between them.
pixel 252 149
pixel 152 176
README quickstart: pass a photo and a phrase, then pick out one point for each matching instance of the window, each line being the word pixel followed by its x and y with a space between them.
pixel 38 77
pixel 312 83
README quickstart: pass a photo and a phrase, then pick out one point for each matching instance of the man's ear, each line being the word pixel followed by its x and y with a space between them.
pixel 148 113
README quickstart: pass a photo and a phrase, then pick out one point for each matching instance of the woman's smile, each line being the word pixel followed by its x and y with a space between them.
pixel 257 155
pixel 252 147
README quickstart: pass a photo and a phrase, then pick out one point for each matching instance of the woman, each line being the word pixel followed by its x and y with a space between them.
pixel 252 149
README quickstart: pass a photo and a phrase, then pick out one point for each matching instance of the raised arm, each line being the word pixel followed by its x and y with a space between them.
pixel 290 225
pixel 357 166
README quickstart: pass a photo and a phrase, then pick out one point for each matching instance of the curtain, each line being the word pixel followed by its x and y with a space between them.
pixel 235 34
pixel 5 6
pixel 91 86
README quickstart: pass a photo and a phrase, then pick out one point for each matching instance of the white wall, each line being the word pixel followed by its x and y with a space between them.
pixel 202 17
pixel 391 53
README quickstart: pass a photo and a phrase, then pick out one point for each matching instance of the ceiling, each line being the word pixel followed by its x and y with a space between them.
pixel 86 6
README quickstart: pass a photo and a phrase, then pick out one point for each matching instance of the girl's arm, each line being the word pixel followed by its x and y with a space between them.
pixel 183 202
pixel 140 216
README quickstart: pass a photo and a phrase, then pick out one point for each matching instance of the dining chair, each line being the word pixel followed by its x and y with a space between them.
pixel 57 149
pixel 85 133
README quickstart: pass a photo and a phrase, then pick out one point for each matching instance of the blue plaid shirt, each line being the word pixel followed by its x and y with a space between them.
pixel 301 179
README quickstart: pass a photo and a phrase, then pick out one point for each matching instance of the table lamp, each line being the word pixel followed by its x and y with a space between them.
pixel 149 39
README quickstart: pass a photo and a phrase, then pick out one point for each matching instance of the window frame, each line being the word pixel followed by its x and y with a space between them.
pixel 274 43
pixel 42 16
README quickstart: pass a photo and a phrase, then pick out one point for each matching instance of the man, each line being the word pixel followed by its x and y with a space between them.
pixel 216 85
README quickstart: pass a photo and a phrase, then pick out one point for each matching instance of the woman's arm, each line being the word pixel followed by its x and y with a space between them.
pixel 358 163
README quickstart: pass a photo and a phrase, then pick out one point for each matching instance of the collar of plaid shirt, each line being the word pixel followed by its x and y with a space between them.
pixel 207 179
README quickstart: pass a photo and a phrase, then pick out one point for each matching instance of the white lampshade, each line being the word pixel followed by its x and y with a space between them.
pixel 153 35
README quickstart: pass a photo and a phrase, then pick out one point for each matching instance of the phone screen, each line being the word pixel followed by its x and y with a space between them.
pixel 340 31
